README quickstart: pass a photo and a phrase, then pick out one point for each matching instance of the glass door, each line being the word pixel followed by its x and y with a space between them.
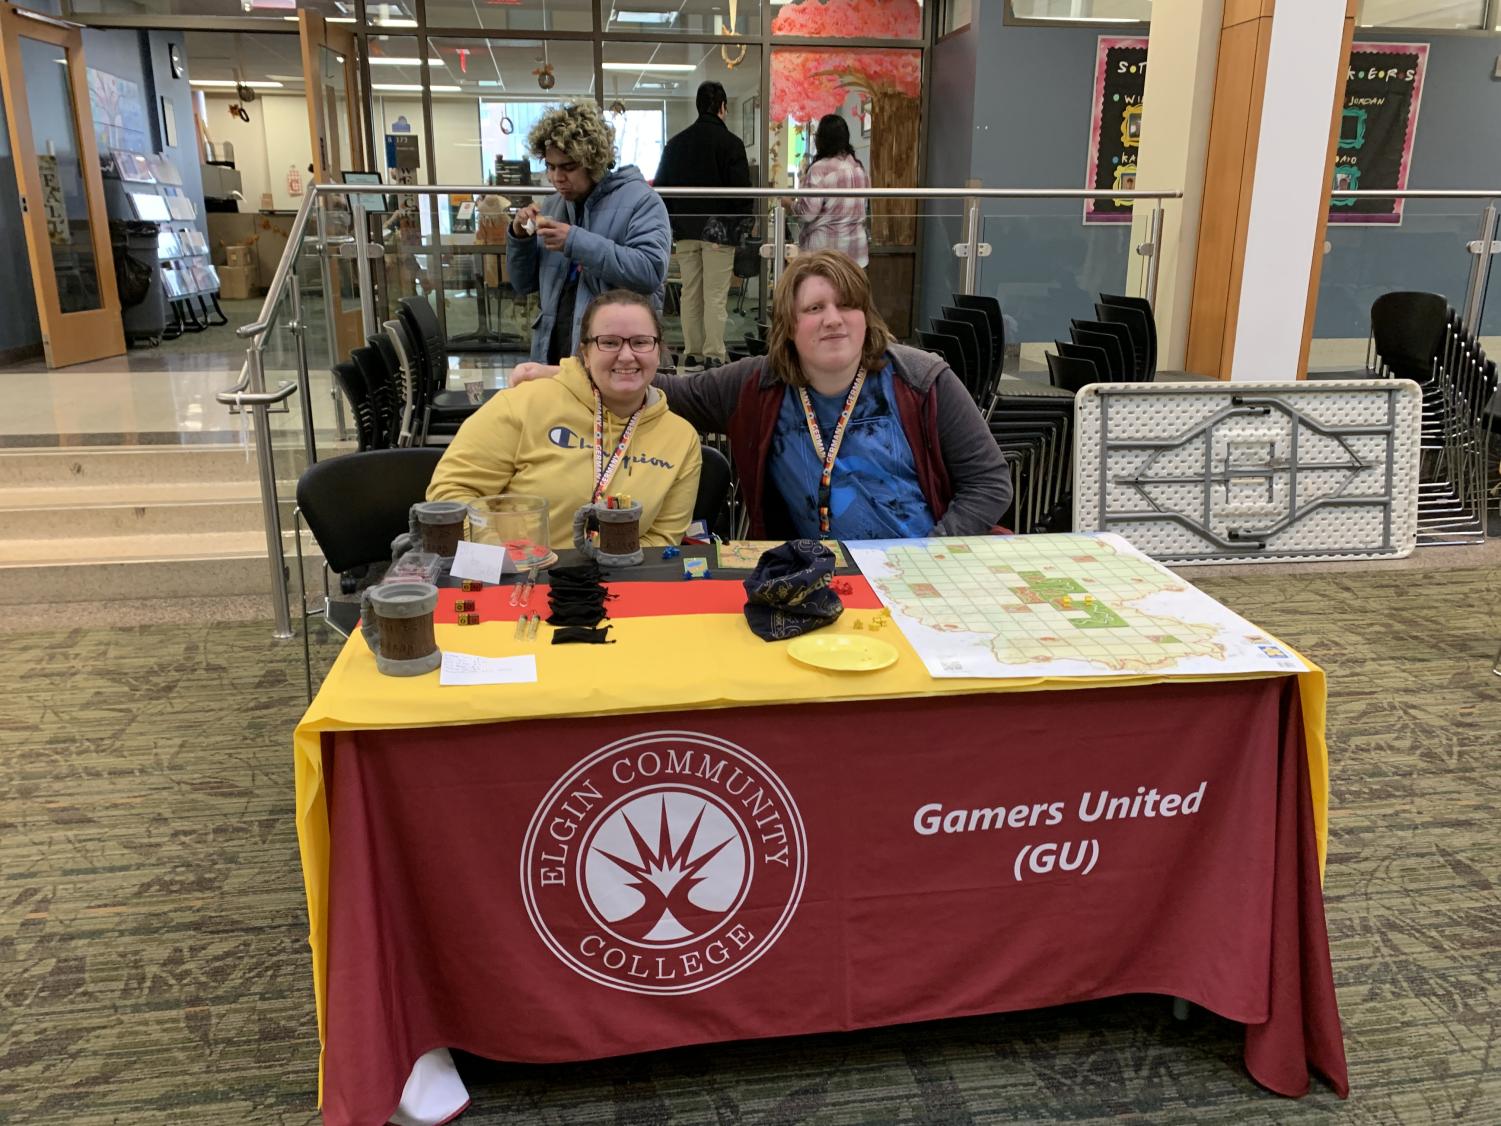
pixel 62 195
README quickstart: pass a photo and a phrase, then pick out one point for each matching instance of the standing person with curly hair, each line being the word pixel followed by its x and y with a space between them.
pixel 603 229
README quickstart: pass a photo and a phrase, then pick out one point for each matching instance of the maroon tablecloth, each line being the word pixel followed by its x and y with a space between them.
pixel 571 889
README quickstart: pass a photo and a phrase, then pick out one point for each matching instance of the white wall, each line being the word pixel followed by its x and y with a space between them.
pixel 275 139
pixel 460 160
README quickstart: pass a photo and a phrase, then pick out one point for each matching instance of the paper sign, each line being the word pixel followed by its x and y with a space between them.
pixel 483 561
pixel 466 668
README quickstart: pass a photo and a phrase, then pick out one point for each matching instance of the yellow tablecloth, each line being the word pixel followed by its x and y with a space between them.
pixel 658 664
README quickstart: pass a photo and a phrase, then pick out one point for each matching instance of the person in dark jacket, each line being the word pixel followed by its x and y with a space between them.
pixel 706 155
pixel 838 431
pixel 602 230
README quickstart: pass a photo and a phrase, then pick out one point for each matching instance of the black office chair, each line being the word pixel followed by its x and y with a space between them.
pixel 1144 307
pixel 355 506
pixel 712 505
pixel 1407 334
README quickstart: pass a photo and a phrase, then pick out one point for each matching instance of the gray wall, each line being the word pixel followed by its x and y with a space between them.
pixel 176 90
pixel 19 330
pixel 1458 145
pixel 1029 129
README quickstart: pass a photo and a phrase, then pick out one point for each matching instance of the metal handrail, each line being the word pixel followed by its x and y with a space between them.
pixel 762 193
pixel 283 271
pixel 1417 193
pixel 257 398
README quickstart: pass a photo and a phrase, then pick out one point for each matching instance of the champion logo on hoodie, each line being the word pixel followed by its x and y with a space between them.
pixel 565 438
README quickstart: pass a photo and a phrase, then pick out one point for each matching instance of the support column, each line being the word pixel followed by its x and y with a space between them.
pixel 1278 85
pixel 1179 96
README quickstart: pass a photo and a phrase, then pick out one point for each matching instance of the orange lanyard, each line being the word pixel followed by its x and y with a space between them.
pixel 828 455
pixel 604 472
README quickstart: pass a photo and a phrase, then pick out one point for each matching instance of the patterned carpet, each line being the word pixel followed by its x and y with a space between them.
pixel 153 962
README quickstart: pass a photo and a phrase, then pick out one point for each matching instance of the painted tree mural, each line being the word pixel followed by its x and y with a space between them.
pixel 807 83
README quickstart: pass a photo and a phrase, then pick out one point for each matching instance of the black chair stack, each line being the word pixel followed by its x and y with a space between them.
pixel 1033 426
pixel 440 412
pixel 1418 336
pixel 1118 346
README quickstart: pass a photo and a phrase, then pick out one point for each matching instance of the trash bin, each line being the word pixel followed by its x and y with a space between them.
pixel 138 279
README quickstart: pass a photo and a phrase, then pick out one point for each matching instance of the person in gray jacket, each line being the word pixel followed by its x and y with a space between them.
pixel 603 229
pixel 839 431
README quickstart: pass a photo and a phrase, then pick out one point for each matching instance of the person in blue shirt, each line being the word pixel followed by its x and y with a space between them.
pixel 603 229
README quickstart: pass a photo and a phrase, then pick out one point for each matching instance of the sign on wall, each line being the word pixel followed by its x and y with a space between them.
pixel 1120 76
pixel 1376 129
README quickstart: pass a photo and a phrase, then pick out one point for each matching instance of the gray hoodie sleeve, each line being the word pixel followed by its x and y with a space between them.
pixel 707 399
pixel 978 473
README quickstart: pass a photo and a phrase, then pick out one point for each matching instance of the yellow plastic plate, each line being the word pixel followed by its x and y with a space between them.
pixel 842 652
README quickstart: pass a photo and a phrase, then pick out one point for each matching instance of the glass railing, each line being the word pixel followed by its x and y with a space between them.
pixel 353 257
pixel 1430 250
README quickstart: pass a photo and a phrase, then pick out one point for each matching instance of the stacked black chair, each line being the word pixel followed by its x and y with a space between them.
pixel 941 344
pixel 1071 373
pixel 987 361
pixel 355 506
pixel 377 366
pixel 1116 340
pixel 969 349
pixel 442 411
pixel 1088 353
pixel 991 308
pixel 1135 322
pixel 1409 331
pixel 1147 323
pixel 1042 417
pixel 351 384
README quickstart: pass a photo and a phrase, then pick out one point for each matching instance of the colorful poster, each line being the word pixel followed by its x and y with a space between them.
pixel 119 113
pixel 1120 76
pixel 1376 129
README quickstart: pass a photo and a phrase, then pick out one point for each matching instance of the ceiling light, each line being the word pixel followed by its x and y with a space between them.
pixel 395 23
pixel 412 88
pixel 666 68
pixel 388 60
pixel 645 17
pixel 230 84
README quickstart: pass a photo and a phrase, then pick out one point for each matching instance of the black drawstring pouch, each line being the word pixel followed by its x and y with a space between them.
pixel 789 592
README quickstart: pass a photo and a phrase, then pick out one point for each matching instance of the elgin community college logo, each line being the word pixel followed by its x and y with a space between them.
pixel 664 863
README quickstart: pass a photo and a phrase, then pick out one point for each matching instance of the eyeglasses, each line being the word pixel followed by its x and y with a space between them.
pixel 615 343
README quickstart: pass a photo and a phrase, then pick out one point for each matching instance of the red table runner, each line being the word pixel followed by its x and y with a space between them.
pixel 548 890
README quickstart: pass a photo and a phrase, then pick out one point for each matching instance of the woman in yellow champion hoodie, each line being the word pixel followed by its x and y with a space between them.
pixel 598 429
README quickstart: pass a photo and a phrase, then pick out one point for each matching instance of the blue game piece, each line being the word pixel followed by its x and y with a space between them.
pixel 671 552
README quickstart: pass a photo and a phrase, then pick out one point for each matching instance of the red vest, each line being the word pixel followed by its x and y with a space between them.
pixel 755 420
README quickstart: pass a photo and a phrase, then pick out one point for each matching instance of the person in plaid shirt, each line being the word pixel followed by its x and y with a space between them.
pixel 834 223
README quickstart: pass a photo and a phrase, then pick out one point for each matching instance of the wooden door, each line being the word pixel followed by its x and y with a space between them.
pixel 62 195
pixel 336 124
